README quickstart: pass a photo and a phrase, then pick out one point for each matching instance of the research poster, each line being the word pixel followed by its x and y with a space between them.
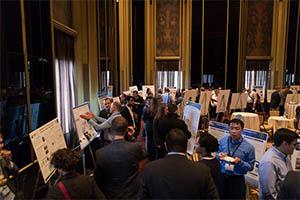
pixel 238 101
pixel 222 101
pixel 145 87
pixel 205 97
pixel 85 131
pixel 45 141
pixel 257 139
pixel 191 116
pixel 190 95
pixel 133 88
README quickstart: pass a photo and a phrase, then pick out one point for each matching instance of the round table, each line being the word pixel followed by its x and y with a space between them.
pixel 290 110
pixel 280 122
pixel 251 120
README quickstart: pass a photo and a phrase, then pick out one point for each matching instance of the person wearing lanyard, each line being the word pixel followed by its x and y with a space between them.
pixel 237 157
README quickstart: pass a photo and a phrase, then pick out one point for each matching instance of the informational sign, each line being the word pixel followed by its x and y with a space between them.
pixel 45 141
pixel 204 101
pixel 191 116
pixel 190 95
pixel 145 87
pixel 257 139
pixel 222 100
pixel 295 159
pixel 85 131
pixel 269 94
pixel 238 101
pixel 133 88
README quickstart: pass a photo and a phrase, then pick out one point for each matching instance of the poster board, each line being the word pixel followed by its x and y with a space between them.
pixel 45 141
pixel 295 158
pixel 238 101
pixel 257 139
pixel 85 131
pixel 222 101
pixel 191 116
pixel 144 89
pixel 204 101
pixel 133 88
pixel 190 95
pixel 269 94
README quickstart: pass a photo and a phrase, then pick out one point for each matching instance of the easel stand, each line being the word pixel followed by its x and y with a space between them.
pixel 204 122
pixel 84 157
pixel 240 103
pixel 223 106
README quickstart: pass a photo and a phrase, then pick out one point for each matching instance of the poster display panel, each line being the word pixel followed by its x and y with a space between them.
pixel 85 132
pixel 45 141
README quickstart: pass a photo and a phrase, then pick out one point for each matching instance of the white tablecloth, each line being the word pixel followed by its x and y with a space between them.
pixel 280 122
pixel 290 110
pixel 251 120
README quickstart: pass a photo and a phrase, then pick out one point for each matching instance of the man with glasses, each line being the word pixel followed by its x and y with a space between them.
pixel 275 164
pixel 237 157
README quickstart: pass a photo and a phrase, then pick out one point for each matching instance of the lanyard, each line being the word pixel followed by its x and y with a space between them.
pixel 236 148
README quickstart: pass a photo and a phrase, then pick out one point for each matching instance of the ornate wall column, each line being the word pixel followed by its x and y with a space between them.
pixel 279 37
pixel 149 42
pixel 125 44
pixel 186 43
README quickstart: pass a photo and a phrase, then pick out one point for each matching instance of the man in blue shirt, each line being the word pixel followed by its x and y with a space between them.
pixel 237 157
pixel 275 163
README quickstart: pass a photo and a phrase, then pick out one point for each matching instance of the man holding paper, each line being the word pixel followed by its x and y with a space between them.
pixel 237 157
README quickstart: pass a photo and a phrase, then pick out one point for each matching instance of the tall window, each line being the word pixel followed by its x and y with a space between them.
pixel 168 74
pixel 65 81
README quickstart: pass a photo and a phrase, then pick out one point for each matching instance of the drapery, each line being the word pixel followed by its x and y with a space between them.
pixel 65 82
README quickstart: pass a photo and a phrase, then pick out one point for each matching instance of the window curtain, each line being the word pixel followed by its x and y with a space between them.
pixel 65 83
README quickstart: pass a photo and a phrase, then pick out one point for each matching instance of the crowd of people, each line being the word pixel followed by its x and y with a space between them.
pixel 143 155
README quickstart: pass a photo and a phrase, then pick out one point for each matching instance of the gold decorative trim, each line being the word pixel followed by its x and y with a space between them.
pixel 226 51
pixel 62 27
pixel 258 57
pixel 53 55
pixel 297 39
pixel 202 43
pixel 168 58
pixel 22 7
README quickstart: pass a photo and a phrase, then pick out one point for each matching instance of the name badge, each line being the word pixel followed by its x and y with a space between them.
pixel 229 167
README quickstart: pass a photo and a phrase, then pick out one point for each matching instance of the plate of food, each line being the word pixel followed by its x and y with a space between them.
pixel 229 159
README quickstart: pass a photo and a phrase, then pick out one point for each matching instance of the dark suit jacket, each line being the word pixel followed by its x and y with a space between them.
pixel 117 169
pixel 290 188
pixel 126 114
pixel 78 187
pixel 171 121
pixel 176 177
pixel 104 114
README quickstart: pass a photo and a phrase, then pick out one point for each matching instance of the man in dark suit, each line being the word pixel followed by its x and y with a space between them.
pixel 105 113
pixel 290 186
pixel 118 164
pixel 176 177
pixel 171 121
pixel 127 111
